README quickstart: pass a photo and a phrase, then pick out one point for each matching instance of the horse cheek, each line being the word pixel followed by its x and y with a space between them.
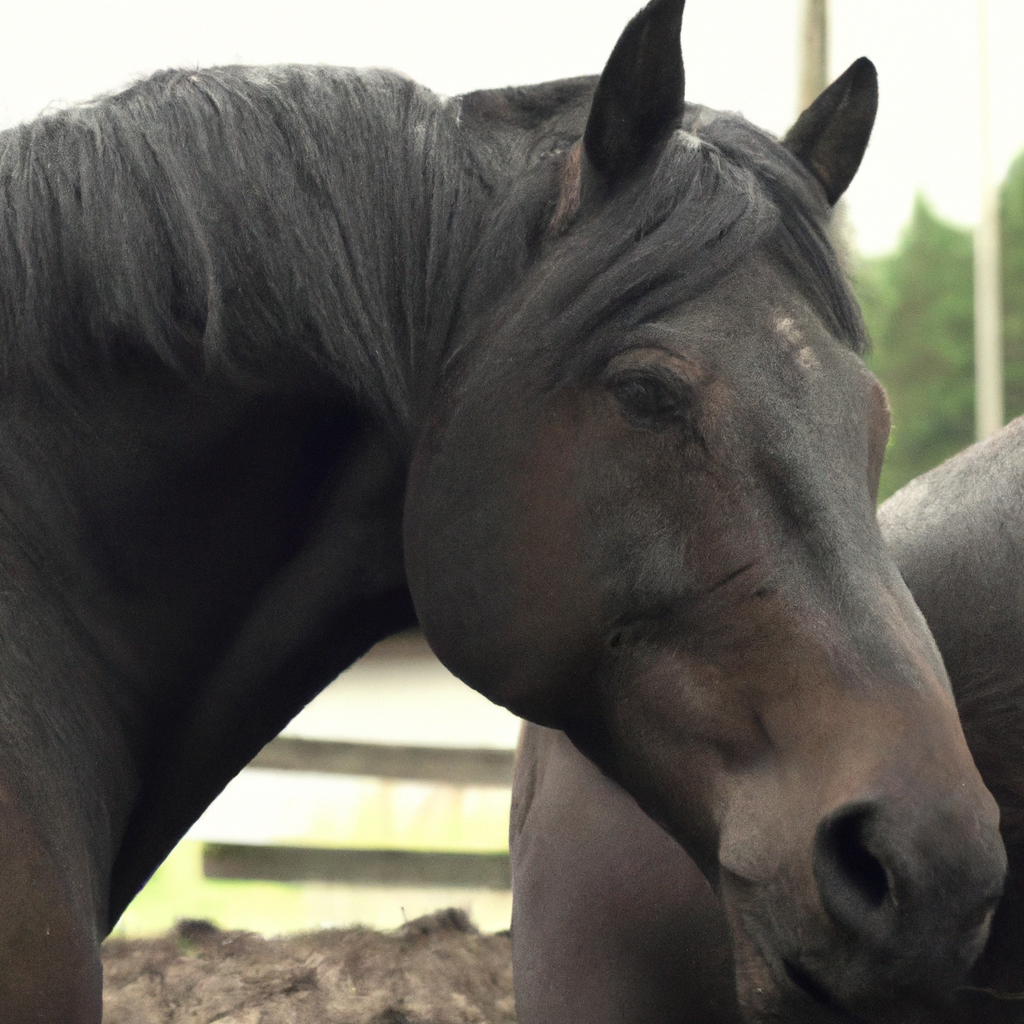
pixel 556 592
pixel 494 559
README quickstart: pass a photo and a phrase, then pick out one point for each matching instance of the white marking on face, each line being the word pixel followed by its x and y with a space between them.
pixel 807 359
pixel 792 338
pixel 787 329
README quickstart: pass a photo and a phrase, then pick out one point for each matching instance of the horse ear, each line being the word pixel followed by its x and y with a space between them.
pixel 639 96
pixel 830 136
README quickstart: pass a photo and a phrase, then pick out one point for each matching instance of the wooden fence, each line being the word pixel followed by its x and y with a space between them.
pixel 454 766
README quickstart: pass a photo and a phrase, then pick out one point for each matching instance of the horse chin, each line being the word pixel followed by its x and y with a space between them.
pixel 785 1006
pixel 769 987
pixel 776 984
pixel 777 990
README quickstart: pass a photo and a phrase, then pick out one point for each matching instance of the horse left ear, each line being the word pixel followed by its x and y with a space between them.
pixel 639 97
pixel 830 136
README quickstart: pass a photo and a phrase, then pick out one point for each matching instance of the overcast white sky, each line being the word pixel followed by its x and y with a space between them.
pixel 739 54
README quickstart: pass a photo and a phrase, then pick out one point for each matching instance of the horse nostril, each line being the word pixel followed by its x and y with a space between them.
pixel 853 883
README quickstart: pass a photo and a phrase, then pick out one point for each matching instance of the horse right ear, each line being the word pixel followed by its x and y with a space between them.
pixel 830 136
pixel 639 97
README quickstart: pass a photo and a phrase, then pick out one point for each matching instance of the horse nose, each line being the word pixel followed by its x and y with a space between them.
pixel 913 889
pixel 853 881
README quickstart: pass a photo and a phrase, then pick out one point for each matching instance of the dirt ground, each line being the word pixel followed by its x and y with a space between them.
pixel 434 970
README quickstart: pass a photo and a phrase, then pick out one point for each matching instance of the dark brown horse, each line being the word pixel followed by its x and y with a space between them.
pixel 293 357
pixel 613 922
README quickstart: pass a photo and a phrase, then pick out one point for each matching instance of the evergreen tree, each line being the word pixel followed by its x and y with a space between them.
pixel 919 308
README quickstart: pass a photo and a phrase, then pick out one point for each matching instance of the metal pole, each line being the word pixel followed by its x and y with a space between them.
pixel 813 52
pixel 988 305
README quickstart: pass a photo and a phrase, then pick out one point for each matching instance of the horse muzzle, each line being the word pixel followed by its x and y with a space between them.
pixel 883 919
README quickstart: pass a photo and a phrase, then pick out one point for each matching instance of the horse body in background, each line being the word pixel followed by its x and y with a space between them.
pixel 612 921
pixel 569 374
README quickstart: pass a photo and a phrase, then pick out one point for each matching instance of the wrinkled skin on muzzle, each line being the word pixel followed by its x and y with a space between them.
pixel 691 583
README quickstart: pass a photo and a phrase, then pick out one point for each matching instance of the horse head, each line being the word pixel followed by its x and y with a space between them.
pixel 642 510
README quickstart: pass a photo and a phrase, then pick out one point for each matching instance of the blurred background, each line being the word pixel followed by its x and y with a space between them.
pixel 910 217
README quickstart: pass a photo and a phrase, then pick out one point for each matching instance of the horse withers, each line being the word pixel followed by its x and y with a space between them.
pixel 613 921
pixel 294 357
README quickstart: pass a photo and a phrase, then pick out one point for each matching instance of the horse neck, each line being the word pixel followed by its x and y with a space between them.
pixel 210 270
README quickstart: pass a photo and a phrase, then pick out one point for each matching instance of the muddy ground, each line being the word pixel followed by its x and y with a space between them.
pixel 434 970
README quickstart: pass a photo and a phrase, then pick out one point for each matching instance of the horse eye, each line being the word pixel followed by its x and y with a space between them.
pixel 649 400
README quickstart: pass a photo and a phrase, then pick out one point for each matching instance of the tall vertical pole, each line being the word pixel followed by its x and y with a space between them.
pixel 813 52
pixel 988 303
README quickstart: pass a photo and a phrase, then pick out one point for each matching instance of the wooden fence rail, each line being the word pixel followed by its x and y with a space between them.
pixel 455 766
pixel 414 868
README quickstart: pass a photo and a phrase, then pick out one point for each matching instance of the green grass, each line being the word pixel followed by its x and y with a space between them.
pixel 178 890
pixel 367 815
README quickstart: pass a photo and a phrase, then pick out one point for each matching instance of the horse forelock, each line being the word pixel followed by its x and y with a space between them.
pixel 720 191
pixel 802 237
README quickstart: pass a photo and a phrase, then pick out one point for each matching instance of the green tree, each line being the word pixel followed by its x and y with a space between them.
pixel 919 308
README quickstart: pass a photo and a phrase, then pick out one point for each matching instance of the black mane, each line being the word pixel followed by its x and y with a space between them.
pixel 256 220
pixel 267 222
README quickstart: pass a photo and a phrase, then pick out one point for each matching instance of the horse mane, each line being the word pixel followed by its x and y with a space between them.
pixel 246 219
pixel 269 222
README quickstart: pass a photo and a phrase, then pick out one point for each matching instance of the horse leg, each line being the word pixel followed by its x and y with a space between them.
pixel 611 920
pixel 50 970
